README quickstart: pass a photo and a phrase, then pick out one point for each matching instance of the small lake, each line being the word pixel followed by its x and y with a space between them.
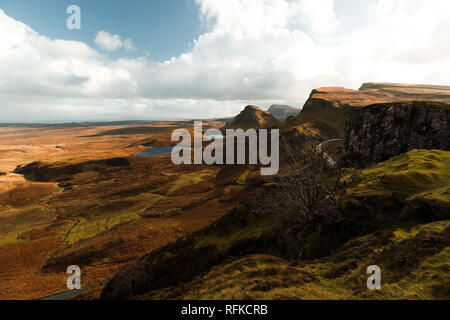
pixel 215 136
pixel 155 151
pixel 158 151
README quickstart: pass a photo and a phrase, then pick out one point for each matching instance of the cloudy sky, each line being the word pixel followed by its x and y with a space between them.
pixel 166 59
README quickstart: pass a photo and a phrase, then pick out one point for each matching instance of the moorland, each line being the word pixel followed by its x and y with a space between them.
pixel 141 227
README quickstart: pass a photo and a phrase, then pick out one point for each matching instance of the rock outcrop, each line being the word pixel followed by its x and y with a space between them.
pixel 381 131
pixel 254 118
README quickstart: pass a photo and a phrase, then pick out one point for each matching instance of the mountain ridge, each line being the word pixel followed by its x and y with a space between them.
pixel 252 117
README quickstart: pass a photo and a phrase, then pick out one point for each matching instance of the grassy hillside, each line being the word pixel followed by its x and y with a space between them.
pixel 398 218
pixel 416 182
pixel 406 176
pixel 412 268
pixel 327 117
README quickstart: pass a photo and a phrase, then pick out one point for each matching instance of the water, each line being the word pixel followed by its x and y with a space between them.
pixel 215 136
pixel 158 151
pixel 155 151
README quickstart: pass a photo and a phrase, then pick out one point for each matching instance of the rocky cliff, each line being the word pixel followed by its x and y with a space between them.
pixel 378 132
pixel 328 108
pixel 327 116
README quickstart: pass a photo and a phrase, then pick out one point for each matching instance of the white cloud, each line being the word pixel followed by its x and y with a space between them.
pixel 318 16
pixel 113 42
pixel 254 51
pixel 261 50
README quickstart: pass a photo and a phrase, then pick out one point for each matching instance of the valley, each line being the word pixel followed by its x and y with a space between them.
pixel 86 200
pixel 109 199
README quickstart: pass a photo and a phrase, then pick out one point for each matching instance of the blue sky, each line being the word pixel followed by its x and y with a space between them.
pixel 161 28
pixel 178 59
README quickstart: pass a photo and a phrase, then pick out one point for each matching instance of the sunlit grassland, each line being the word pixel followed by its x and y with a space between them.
pixel 418 173
pixel 88 228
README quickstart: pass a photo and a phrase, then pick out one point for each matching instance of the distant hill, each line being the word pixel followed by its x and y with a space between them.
pixel 76 124
pixel 331 107
pixel 282 112
pixel 252 117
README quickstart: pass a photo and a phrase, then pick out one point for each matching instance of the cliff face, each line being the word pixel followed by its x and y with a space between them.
pixel 328 117
pixel 378 132
pixel 332 106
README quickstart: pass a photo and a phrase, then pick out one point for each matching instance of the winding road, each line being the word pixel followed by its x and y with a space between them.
pixel 330 159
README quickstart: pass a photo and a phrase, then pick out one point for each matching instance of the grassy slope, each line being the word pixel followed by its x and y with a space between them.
pixel 319 116
pixel 416 184
pixel 418 172
pixel 267 277
pixel 414 255
pixel 334 118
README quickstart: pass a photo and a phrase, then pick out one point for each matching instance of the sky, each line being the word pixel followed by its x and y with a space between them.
pixel 184 59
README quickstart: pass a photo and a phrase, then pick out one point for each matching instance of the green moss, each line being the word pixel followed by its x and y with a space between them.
pixel 441 195
pixel 223 242
pixel 188 179
pixel 243 178
pixel 88 229
pixel 10 238
pixel 266 277
pixel 430 281
pixel 333 116
pixel 17 224
pixel 85 228
pixel 423 173
pixel 263 277
pixel 403 234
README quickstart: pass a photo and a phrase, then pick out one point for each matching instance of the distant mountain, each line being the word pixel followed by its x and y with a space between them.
pixel 282 112
pixel 253 117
